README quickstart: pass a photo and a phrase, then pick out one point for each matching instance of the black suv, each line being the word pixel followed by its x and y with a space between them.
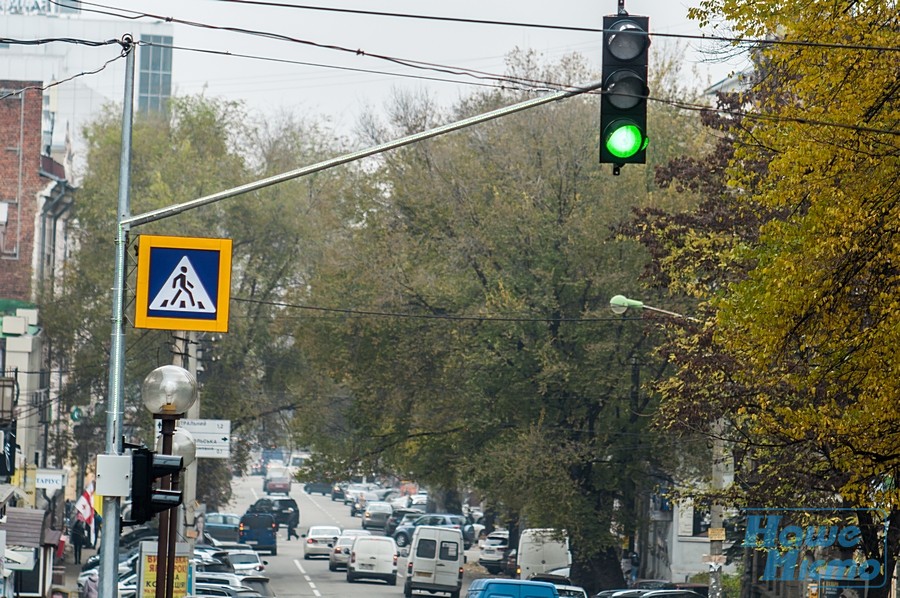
pixel 285 510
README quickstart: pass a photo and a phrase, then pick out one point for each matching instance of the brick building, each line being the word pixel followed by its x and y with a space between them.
pixel 35 198
pixel 34 194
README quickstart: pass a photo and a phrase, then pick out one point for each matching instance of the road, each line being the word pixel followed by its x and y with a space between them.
pixel 291 575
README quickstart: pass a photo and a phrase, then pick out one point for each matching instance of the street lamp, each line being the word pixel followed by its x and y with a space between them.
pixel 168 392
pixel 619 304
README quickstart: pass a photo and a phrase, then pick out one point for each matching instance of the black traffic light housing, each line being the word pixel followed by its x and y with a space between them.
pixel 623 107
pixel 146 468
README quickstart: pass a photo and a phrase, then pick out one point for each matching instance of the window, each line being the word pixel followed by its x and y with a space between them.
pixel 426 549
pixel 449 551
pixel 155 81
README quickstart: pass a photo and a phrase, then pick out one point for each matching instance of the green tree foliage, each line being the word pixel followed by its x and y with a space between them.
pixel 479 348
pixel 201 147
pixel 794 258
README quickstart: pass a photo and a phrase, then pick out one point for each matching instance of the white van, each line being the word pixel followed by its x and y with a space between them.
pixel 541 550
pixel 436 558
pixel 373 557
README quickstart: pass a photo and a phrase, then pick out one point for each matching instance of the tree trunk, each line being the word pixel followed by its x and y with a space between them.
pixel 602 572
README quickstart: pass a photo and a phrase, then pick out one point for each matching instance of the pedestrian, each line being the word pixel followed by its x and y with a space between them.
pixel 92 585
pixel 98 524
pixel 292 530
pixel 78 536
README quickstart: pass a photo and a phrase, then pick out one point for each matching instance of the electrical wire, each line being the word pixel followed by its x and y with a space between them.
pixel 66 80
pixel 733 40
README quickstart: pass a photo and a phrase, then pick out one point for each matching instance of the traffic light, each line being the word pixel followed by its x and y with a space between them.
pixel 146 468
pixel 623 107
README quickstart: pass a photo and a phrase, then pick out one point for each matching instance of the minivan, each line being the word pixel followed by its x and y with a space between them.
pixel 541 550
pixel 511 588
pixel 260 531
pixel 435 562
pixel 372 557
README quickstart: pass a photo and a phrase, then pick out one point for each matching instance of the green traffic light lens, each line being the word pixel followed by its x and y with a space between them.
pixel 625 140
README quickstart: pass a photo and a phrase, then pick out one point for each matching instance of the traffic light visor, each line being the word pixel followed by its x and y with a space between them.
pixel 626 40
pixel 624 139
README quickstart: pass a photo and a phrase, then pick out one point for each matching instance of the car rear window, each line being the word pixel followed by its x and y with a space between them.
pixel 449 551
pixel 426 549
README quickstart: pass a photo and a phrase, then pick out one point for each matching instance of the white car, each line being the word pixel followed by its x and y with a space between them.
pixel 320 540
pixel 246 562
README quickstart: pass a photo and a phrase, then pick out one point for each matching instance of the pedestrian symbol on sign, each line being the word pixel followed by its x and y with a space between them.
pixel 183 292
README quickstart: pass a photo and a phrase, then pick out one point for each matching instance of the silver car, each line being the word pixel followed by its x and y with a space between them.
pixel 339 557
pixel 320 540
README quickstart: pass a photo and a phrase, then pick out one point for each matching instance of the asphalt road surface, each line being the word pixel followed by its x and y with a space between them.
pixel 291 575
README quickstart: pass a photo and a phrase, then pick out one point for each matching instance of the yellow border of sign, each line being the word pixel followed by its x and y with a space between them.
pixel 142 290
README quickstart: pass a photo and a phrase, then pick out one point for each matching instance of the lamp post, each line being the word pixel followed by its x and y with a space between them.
pixel 184 446
pixel 167 392
pixel 716 559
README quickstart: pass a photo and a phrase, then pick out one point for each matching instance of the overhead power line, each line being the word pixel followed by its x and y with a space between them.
pixel 718 38
pixel 61 81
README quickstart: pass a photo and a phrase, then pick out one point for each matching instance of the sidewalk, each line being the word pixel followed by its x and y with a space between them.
pixel 72 571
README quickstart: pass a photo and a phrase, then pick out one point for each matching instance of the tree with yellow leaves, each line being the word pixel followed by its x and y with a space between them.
pixel 797 259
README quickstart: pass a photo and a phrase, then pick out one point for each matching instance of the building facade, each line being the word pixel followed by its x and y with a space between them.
pixel 81 80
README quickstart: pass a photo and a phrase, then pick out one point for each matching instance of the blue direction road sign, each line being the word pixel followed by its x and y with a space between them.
pixel 183 283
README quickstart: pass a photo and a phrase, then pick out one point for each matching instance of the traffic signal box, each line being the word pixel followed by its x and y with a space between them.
pixel 623 107
pixel 147 499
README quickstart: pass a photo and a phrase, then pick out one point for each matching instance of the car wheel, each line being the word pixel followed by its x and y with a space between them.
pixel 274 551
pixel 407 590
pixel 401 540
pixel 454 594
pixel 305 557
pixel 350 577
pixel 331 567
pixel 392 580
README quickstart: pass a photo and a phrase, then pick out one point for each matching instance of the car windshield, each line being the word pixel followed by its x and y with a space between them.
pixel 496 541
pixel 244 558
pixel 380 508
pixel 345 541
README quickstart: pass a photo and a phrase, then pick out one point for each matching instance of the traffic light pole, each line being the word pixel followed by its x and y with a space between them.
pixel 115 411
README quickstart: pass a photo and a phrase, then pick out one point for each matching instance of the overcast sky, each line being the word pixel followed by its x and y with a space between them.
pixel 343 94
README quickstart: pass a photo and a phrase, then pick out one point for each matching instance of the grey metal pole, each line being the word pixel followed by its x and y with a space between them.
pixel 109 543
pixel 161 213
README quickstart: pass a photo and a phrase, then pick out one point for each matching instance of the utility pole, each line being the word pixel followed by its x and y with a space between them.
pixel 115 406
pixel 716 518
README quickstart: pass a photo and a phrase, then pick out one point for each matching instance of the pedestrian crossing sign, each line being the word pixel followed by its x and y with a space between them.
pixel 183 283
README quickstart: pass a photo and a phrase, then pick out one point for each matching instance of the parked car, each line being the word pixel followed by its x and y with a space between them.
pixel 373 557
pixel 700 588
pixel 319 487
pixel 285 510
pixel 376 515
pixel 653 584
pixel 320 540
pixel 259 584
pixel 338 557
pixel 400 517
pixel 222 526
pixel 494 552
pixel 246 562
pixel 260 530
pixel 488 587
pixel 404 533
